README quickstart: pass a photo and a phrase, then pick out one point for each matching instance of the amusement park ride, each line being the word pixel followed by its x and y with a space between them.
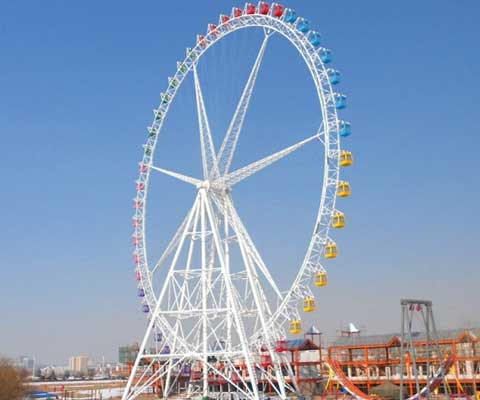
pixel 219 317
pixel 217 321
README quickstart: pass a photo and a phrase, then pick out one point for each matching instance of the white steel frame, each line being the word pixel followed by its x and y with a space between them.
pixel 228 308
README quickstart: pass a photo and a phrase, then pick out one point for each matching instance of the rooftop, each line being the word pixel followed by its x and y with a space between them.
pixel 445 334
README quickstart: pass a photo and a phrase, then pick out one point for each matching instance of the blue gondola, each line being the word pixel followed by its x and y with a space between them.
pixel 333 76
pixel 290 15
pixel 165 350
pixel 303 25
pixel 145 308
pixel 186 369
pixel 141 292
pixel 158 337
pixel 325 55
pixel 314 39
pixel 344 128
pixel 340 101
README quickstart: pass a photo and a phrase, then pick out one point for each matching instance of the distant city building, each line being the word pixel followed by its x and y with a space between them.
pixel 128 354
pixel 79 364
pixel 26 362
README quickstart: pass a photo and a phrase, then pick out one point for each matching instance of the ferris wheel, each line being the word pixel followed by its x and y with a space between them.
pixel 217 318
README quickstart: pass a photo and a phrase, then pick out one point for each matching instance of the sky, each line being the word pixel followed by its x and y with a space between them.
pixel 78 82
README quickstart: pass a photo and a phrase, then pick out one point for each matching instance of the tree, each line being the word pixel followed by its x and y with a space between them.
pixel 11 381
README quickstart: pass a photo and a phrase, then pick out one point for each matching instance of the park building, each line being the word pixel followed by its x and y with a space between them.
pixel 372 360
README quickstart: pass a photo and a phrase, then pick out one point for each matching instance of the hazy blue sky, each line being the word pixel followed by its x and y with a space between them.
pixel 78 81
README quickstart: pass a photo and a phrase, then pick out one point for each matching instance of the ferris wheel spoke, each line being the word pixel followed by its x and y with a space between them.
pixel 226 207
pixel 229 144
pixel 209 159
pixel 250 169
pixel 181 177
pixel 256 256
pixel 172 245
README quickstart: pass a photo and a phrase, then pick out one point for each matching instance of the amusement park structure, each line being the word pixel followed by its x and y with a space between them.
pixel 422 363
pixel 366 362
pixel 215 312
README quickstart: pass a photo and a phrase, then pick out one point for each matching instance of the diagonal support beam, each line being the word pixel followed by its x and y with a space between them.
pixel 229 144
pixel 209 160
pixel 181 177
pixel 250 169
pixel 227 208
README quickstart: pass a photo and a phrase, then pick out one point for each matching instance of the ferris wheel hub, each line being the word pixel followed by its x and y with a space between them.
pixel 204 185
pixel 219 187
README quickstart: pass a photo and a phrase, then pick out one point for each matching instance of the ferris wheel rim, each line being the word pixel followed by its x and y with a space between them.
pixel 318 72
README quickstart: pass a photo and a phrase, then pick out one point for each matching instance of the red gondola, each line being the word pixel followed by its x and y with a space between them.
pixel 249 9
pixel 224 18
pixel 196 375
pixel 265 360
pixel 278 10
pixel 140 186
pixel 237 12
pixel 236 376
pixel 281 346
pixel 263 8
pixel 143 168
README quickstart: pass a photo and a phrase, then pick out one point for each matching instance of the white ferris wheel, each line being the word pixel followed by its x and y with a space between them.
pixel 218 321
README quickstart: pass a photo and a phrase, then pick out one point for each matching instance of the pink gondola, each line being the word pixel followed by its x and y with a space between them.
pixel 212 28
pixel 201 40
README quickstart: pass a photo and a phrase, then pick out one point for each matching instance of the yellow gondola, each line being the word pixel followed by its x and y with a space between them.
pixel 330 250
pixel 309 304
pixel 346 158
pixel 321 279
pixel 295 327
pixel 343 189
pixel 338 219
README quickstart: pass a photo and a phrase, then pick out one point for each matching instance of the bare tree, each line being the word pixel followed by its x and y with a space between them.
pixel 11 381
